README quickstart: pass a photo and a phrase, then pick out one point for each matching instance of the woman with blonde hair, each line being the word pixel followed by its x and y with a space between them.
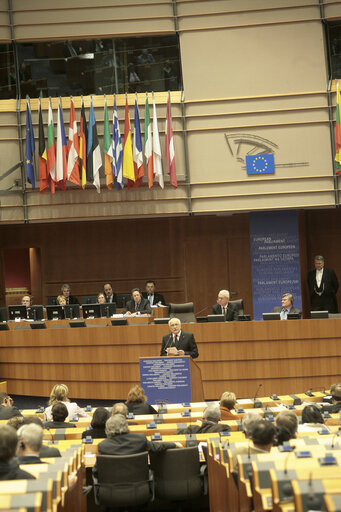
pixel 137 401
pixel 60 393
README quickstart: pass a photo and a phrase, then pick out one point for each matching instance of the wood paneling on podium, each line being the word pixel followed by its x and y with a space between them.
pixel 102 361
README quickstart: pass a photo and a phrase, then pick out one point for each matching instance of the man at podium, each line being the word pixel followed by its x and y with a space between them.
pixel 178 342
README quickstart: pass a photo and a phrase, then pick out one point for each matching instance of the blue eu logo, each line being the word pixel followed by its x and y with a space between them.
pixel 260 164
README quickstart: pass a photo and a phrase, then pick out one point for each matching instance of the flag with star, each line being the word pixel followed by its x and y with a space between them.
pixel 29 147
pixel 260 164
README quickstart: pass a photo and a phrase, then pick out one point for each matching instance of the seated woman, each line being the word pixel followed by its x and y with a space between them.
pixel 137 401
pixel 101 298
pixel 60 393
pixel 61 300
pixel 97 430
pixel 227 402
pixel 312 419
pixel 59 415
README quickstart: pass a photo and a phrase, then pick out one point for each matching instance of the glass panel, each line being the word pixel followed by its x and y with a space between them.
pixel 334 36
pixel 7 72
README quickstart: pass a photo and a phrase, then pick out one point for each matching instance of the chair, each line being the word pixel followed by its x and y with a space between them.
pixel 185 312
pixel 89 299
pixel 177 474
pixel 240 305
pixel 3 315
pixel 124 480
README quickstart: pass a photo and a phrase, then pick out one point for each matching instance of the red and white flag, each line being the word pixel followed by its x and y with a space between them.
pixel 169 147
pixel 73 149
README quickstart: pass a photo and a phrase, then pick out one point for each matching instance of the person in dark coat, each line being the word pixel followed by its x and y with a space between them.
pixel 97 430
pixel 59 414
pixel 323 286
pixel 211 418
pixel 9 466
pixel 7 409
pixel 137 402
pixel 30 441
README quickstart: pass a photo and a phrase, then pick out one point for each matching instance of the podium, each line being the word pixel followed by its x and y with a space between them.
pixel 171 379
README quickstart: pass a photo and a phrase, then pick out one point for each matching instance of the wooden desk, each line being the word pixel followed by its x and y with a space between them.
pixel 102 361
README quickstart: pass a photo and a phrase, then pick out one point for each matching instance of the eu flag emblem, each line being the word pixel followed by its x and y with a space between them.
pixel 260 164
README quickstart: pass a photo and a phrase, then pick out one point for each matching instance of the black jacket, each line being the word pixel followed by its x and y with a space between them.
pixel 58 424
pixel 11 471
pixel 232 312
pixel 206 426
pixel 8 412
pixel 140 408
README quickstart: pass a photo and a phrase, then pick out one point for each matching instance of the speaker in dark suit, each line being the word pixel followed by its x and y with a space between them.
pixel 178 342
pixel 109 293
pixel 230 311
pixel 323 286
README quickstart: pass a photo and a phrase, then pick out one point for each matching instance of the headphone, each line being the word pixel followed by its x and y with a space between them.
pixel 22 445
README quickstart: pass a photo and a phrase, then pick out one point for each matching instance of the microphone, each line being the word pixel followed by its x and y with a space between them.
pixel 285 469
pixel 51 434
pixel 169 339
pixel 249 451
pixel 313 501
pixel 203 309
pixel 309 392
pixel 257 404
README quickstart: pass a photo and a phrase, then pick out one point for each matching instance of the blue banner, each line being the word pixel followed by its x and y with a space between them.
pixel 260 164
pixel 275 259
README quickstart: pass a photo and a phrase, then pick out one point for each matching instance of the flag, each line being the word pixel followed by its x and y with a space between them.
pixel 43 176
pixel 137 150
pixel 94 157
pixel 128 163
pixel 260 164
pixel 338 133
pixel 157 157
pixel 118 150
pixel 169 147
pixel 148 143
pixel 107 149
pixel 51 150
pixel 61 148
pixel 83 136
pixel 73 149
pixel 29 147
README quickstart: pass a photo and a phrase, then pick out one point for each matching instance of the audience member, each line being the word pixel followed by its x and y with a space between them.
pixel 155 299
pixel 137 304
pixel 137 402
pixel 119 408
pixel 262 436
pixel 211 417
pixel 59 414
pixel 61 300
pixel 227 403
pixel 101 298
pixel 45 451
pixel 97 430
pixel 9 467
pixel 110 296
pixel 323 286
pixel 230 311
pixel 7 409
pixel 30 442
pixel 26 301
pixel 178 343
pixel 60 393
pixel 16 422
pixel 286 424
pixel 70 299
pixel 312 419
pixel 249 421
pixel 287 306
pixel 335 391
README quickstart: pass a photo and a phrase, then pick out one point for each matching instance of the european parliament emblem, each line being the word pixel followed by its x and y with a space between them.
pixel 260 164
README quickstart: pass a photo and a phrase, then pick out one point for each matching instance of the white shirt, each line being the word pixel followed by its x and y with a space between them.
pixel 319 274
pixel 72 408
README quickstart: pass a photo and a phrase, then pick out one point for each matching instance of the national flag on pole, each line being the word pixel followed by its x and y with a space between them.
pixel 30 146
pixel 148 143
pixel 118 150
pixel 43 176
pixel 157 157
pixel 338 133
pixel 61 148
pixel 73 149
pixel 169 147
pixel 107 149
pixel 94 157
pixel 51 150
pixel 128 163
pixel 137 150
pixel 83 135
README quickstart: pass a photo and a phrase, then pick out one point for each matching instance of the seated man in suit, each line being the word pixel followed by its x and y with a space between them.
pixel 287 306
pixel 70 299
pixel 137 304
pixel 223 307
pixel 109 293
pixel 45 451
pixel 211 418
pixel 155 299
pixel 335 406
pixel 30 441
pixel 9 467
pixel 178 343
pixel 59 414
pixel 7 409
pixel 26 301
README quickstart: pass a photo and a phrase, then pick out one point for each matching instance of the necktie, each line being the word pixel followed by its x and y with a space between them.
pixel 175 340
pixel 284 314
pixel 224 311
pixel 136 306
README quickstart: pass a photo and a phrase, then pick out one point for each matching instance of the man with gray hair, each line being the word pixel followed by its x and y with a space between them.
pixel 223 307
pixel 323 285
pixel 30 440
pixel 178 342
pixel 211 417
pixel 120 441
pixel 119 408
pixel 249 421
